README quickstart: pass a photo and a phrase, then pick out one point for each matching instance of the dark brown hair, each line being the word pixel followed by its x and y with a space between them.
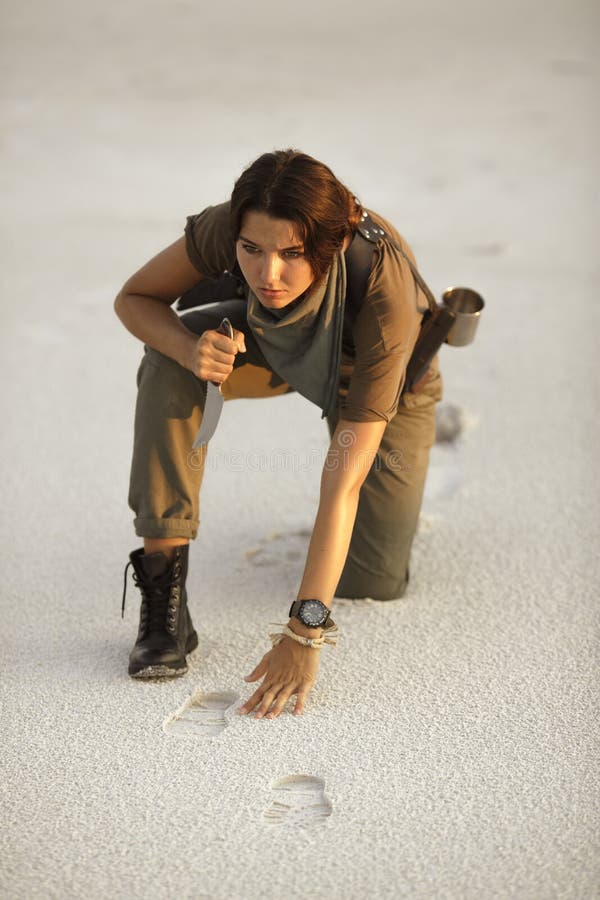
pixel 287 184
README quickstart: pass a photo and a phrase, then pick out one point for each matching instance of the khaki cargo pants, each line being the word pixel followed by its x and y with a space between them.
pixel 166 475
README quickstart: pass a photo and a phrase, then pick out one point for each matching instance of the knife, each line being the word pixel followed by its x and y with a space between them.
pixel 214 400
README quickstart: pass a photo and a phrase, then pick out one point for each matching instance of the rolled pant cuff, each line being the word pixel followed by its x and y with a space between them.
pixel 166 528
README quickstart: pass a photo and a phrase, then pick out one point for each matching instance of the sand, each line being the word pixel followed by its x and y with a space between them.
pixel 449 749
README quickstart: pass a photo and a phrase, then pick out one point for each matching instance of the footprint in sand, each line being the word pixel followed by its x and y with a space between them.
pixel 445 476
pixel 279 548
pixel 299 800
pixel 202 715
pixel 450 423
pixel 492 248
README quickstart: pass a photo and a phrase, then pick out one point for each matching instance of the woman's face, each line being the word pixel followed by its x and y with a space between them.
pixel 271 257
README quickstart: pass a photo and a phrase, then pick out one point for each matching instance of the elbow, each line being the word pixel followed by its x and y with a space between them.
pixel 345 472
pixel 342 485
pixel 119 304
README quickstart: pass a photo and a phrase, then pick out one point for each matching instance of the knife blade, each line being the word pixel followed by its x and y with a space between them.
pixel 214 400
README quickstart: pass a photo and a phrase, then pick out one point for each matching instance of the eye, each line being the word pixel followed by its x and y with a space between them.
pixel 293 254
pixel 249 248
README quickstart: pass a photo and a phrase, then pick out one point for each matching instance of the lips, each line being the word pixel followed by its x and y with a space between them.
pixel 272 295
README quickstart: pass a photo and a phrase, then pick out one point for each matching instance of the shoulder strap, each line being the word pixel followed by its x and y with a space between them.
pixel 359 256
pixel 228 286
pixel 359 261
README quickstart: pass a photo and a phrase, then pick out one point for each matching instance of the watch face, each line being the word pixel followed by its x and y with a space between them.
pixel 312 613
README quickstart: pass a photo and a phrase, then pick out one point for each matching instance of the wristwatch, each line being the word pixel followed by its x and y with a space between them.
pixel 311 613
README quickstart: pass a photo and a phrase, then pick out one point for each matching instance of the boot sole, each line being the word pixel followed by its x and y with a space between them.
pixel 162 671
pixel 159 672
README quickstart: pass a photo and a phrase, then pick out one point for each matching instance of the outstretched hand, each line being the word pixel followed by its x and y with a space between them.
pixel 288 668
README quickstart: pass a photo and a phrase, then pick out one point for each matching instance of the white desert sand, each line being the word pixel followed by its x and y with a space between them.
pixel 449 749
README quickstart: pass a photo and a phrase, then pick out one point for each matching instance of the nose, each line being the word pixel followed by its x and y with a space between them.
pixel 271 269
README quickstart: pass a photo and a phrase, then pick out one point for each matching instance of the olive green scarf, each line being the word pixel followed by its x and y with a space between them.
pixel 303 343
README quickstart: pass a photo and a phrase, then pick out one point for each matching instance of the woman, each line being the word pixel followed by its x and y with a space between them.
pixel 290 227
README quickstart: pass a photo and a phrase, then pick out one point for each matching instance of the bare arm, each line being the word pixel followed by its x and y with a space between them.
pixel 290 668
pixel 144 302
pixel 144 307
pixel 351 454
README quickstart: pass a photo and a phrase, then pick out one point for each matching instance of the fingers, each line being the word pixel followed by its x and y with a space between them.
pixel 258 672
pixel 300 701
pixel 256 697
pixel 240 339
pixel 234 345
pixel 221 356
pixel 251 703
pixel 224 344
pixel 282 698
pixel 268 702
pixel 285 671
pixel 216 355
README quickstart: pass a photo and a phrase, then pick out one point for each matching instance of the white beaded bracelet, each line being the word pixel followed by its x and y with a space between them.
pixel 329 636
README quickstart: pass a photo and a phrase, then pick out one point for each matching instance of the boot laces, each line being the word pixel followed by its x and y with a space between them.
pixel 156 597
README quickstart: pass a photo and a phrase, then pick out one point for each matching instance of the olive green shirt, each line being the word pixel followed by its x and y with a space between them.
pixel 383 333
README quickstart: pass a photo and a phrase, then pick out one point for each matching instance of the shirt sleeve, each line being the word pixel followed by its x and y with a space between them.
pixel 209 241
pixel 385 332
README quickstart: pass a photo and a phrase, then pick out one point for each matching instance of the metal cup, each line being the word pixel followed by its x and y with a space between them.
pixel 466 306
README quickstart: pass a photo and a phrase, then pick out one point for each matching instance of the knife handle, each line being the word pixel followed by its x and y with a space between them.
pixel 225 328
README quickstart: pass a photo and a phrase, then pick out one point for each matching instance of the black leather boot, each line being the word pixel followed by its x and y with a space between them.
pixel 166 633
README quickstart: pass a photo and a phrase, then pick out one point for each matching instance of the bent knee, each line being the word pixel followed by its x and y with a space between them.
pixel 359 586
